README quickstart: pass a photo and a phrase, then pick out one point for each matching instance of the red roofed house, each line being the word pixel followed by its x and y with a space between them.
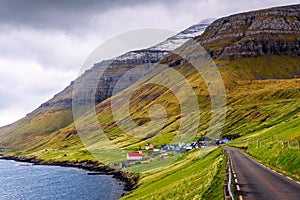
pixel 134 155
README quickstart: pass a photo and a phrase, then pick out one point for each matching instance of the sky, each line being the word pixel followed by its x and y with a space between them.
pixel 44 43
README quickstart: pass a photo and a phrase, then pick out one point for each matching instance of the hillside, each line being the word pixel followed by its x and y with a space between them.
pixel 56 113
pixel 257 54
pixel 262 90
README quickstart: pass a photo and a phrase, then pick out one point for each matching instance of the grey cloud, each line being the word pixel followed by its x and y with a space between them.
pixel 67 14
pixel 58 14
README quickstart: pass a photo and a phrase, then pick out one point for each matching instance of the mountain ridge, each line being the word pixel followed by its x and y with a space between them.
pixel 62 101
pixel 255 33
pixel 152 54
pixel 239 74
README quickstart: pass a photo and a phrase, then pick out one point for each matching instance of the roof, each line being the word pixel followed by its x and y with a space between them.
pixel 134 154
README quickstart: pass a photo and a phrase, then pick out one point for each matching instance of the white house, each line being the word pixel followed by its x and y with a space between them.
pixel 134 156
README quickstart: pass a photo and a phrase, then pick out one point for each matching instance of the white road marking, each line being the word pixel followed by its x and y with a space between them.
pixel 238 187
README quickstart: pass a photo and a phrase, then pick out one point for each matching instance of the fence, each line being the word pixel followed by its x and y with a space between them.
pixel 262 141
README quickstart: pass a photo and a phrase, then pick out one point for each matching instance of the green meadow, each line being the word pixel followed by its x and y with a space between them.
pixel 198 174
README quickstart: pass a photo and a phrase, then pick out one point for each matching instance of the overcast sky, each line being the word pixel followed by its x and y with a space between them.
pixel 44 43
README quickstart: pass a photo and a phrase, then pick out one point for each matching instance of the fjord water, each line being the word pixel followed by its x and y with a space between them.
pixel 25 181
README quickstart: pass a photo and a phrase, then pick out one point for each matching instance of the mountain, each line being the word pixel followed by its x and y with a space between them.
pixel 56 113
pixel 257 54
pixel 130 59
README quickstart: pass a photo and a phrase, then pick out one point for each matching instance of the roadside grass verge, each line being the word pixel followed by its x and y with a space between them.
pixel 276 147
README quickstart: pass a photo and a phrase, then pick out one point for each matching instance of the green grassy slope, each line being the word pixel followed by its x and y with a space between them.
pixel 277 146
pixel 190 177
pixel 256 110
pixel 251 105
pixel 26 132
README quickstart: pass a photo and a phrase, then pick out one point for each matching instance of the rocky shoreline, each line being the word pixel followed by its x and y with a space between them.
pixel 129 179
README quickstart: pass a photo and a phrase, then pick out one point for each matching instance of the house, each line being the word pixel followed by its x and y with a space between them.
pixel 181 144
pixel 188 147
pixel 196 145
pixel 149 145
pixel 165 147
pixel 202 139
pixel 221 141
pixel 134 156
pixel 175 147
pixel 224 141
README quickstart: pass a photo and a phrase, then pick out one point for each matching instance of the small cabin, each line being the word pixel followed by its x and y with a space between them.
pixel 149 145
pixel 134 155
pixel 175 147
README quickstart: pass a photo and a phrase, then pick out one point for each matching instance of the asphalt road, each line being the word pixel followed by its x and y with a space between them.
pixel 258 182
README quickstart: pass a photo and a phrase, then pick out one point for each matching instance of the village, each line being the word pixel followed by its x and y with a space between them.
pixel 151 152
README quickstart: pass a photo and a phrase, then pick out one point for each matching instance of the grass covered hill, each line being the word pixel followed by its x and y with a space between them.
pixel 262 87
pixel 257 54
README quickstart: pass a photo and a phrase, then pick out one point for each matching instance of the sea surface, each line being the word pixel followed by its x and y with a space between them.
pixel 22 181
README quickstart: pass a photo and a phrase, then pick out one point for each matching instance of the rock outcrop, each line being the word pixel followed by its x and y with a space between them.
pixel 264 32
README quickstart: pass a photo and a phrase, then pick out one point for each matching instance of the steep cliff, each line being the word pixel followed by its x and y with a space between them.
pixel 274 31
pixel 123 63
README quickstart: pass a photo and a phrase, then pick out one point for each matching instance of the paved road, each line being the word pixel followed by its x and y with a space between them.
pixel 258 182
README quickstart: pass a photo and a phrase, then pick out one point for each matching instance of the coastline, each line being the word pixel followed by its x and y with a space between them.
pixel 88 165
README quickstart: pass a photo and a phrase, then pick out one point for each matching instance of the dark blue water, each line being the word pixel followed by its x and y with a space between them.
pixel 19 181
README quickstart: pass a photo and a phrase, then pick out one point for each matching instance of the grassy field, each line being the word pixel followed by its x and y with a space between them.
pixel 198 174
pixel 256 110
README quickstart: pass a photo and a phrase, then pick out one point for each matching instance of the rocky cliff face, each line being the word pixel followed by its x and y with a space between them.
pixel 263 32
pixel 119 65
pixel 251 34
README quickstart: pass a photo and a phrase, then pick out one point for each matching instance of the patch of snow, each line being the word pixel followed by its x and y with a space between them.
pixel 182 37
pixel 160 50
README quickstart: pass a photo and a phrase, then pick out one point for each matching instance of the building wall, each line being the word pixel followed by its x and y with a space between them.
pixel 134 158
